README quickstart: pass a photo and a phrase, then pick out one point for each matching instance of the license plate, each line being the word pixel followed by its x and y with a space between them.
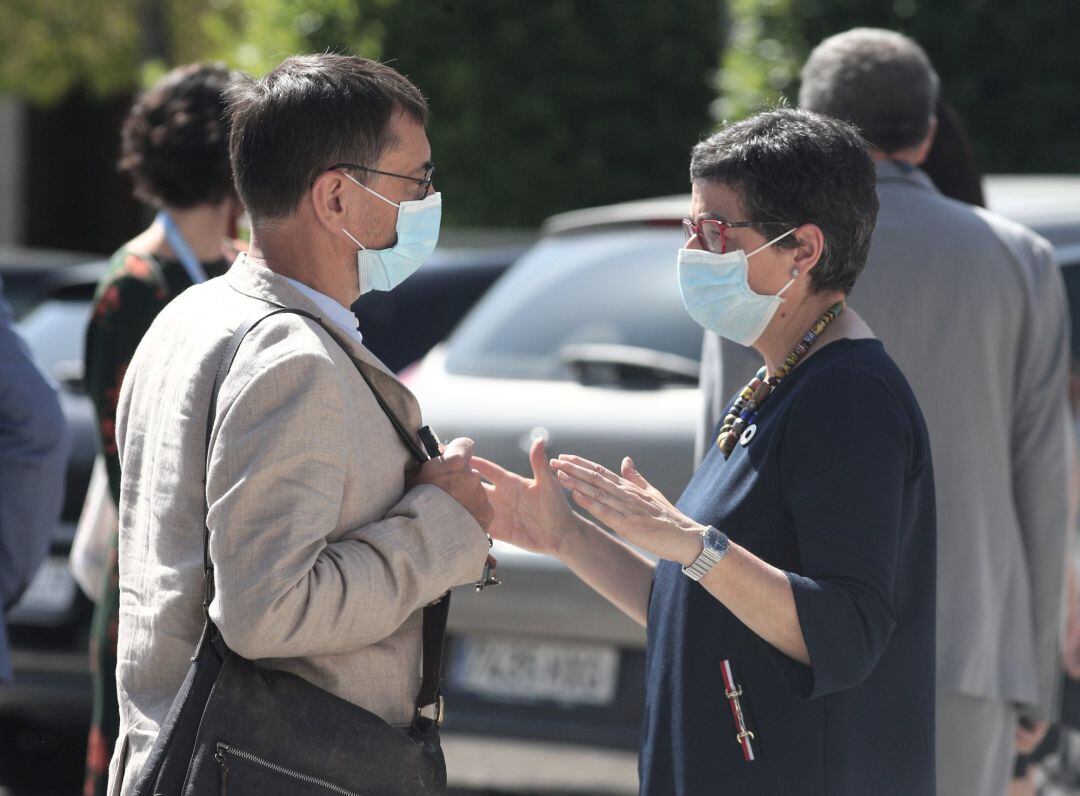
pixel 530 671
pixel 48 597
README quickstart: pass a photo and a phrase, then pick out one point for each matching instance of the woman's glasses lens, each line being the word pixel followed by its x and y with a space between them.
pixel 710 231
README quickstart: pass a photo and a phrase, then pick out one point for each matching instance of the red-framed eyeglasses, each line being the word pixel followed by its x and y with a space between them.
pixel 713 231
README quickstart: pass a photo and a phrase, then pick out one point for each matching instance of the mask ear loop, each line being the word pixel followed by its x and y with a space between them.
pixel 372 190
pixel 767 245
pixel 349 235
pixel 764 246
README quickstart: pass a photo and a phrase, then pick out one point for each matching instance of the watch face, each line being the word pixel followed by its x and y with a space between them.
pixel 715 540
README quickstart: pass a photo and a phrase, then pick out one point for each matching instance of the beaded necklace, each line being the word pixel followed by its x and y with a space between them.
pixel 753 395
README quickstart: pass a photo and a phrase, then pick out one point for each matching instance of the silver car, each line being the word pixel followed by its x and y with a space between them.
pixel 585 341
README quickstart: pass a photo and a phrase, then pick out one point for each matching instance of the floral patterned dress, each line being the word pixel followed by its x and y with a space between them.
pixel 131 294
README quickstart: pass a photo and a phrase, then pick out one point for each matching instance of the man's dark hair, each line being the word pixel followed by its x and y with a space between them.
pixel 309 113
pixel 174 143
pixel 879 80
pixel 795 167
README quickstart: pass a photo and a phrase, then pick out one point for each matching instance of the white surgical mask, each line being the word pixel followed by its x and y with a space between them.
pixel 418 225
pixel 716 291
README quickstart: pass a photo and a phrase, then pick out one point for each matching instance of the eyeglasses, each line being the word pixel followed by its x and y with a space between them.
pixel 424 183
pixel 713 232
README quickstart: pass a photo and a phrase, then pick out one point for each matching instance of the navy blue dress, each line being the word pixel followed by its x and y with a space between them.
pixel 836 489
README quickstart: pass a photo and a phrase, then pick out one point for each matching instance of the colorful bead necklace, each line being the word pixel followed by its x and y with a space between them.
pixel 753 395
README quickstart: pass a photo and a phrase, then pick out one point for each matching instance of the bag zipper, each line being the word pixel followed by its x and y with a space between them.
pixel 224 749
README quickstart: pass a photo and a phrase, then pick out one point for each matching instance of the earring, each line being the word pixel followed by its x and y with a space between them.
pixel 794 273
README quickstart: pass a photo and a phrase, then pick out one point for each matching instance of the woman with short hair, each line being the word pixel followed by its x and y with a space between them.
pixel 790 615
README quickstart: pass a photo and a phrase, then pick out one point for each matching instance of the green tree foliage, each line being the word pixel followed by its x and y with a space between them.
pixel 50 46
pixel 109 47
pixel 536 107
pixel 1010 69
pixel 541 107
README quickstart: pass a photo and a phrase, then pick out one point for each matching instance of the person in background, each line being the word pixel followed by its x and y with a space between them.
pixel 973 309
pixel 175 148
pixel 950 164
pixel 33 456
pixel 952 167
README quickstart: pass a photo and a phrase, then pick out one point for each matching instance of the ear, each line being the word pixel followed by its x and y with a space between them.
pixel 811 246
pixel 327 197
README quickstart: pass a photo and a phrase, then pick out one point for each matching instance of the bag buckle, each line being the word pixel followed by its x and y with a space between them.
pixel 439 711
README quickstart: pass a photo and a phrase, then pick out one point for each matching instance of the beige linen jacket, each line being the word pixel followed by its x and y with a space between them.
pixel 323 560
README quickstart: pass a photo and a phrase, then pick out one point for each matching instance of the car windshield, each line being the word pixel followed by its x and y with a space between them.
pixel 616 287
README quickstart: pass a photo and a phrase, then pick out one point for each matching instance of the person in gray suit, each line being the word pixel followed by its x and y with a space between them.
pixel 972 308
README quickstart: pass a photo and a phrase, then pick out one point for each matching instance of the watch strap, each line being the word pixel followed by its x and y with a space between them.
pixel 714 548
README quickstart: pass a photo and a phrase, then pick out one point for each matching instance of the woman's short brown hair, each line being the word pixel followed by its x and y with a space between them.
pixel 175 140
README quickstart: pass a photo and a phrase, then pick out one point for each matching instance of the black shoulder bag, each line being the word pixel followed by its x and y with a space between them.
pixel 237 728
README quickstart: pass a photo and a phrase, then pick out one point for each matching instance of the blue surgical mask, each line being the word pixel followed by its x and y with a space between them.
pixel 418 224
pixel 716 291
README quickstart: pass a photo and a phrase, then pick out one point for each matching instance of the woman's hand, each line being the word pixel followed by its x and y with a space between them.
pixel 529 512
pixel 631 506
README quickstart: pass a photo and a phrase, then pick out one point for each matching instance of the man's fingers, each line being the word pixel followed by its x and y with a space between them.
pixel 538 460
pixel 485 515
pixel 459 448
pixel 488 470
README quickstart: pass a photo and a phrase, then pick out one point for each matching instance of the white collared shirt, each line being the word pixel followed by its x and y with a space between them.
pixel 341 316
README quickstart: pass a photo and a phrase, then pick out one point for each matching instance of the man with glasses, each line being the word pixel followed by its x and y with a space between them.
pixel 972 308
pixel 326 541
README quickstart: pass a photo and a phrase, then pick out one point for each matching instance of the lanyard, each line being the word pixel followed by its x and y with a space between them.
pixel 181 249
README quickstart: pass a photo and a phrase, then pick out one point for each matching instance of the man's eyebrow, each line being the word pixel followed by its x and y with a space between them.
pixel 704 216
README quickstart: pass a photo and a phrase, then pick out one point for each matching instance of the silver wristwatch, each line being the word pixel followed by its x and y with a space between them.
pixel 715 547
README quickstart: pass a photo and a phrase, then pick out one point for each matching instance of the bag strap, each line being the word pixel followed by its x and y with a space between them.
pixel 435 614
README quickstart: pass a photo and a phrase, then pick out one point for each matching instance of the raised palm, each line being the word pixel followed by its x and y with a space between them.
pixel 531 513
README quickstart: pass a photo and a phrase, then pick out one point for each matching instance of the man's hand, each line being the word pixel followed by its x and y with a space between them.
pixel 530 513
pixel 453 474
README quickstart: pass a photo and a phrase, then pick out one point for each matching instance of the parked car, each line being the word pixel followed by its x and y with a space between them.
pixel 49 628
pixel 404 324
pixel 29 275
pixel 586 342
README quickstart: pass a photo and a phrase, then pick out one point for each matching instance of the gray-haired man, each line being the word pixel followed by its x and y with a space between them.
pixel 972 308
